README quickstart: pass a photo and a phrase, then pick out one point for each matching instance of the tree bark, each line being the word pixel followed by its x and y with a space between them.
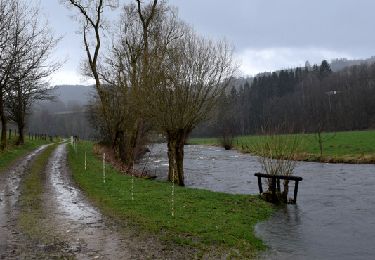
pixel 3 126
pixel 320 141
pixel 176 142
pixel 122 148
pixel 21 136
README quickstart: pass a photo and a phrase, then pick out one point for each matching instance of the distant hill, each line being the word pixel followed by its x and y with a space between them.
pixel 340 64
pixel 78 94
pixel 65 115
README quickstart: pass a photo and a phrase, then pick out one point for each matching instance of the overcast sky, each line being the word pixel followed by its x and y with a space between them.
pixel 267 34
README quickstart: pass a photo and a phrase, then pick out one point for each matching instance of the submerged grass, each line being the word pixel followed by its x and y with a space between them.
pixel 344 147
pixel 13 151
pixel 202 219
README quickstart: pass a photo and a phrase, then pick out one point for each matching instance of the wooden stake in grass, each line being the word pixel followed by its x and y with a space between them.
pixel 172 201
pixel 132 187
pixel 85 161
pixel 103 167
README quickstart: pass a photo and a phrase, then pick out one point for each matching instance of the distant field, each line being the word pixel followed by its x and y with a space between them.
pixel 12 152
pixel 346 147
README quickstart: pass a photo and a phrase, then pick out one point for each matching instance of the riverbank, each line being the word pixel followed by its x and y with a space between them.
pixel 13 151
pixel 342 147
pixel 214 224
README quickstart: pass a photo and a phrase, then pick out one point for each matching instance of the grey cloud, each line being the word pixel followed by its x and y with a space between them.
pixel 330 24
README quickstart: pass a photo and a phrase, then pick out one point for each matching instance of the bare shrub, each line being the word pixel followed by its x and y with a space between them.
pixel 277 154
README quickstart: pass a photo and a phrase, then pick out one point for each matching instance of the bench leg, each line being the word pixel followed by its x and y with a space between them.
pixel 260 185
pixel 295 192
pixel 273 185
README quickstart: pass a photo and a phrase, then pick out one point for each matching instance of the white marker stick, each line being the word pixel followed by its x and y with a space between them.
pixel 132 191
pixel 103 167
pixel 172 193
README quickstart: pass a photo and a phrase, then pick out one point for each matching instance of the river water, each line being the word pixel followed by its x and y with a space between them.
pixel 335 213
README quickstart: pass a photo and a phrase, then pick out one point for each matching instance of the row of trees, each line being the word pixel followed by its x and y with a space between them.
pixel 61 119
pixel 310 99
pixel 158 74
pixel 26 43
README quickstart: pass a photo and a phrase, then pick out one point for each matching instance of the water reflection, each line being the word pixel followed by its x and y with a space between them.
pixel 334 217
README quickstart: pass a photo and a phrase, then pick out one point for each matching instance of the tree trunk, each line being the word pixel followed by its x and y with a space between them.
pixel 21 136
pixel 320 140
pixel 176 141
pixel 121 146
pixel 3 144
pixel 134 144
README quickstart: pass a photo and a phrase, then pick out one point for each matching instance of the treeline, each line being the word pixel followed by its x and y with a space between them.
pixel 26 43
pixel 307 99
pixel 62 119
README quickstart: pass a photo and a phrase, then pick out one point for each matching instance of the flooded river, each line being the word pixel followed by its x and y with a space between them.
pixel 335 213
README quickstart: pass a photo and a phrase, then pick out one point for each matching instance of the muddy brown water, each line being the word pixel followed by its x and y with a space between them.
pixel 335 213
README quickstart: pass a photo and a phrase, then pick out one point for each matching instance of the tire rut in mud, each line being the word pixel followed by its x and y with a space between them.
pixel 10 191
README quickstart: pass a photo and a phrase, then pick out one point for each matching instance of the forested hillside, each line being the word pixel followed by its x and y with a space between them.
pixel 65 115
pixel 307 99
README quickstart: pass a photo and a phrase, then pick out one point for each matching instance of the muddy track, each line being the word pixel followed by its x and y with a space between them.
pixel 74 219
pixel 10 182
pixel 65 224
pixel 87 233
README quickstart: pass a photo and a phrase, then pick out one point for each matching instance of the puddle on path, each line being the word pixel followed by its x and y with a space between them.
pixel 334 217
pixel 76 219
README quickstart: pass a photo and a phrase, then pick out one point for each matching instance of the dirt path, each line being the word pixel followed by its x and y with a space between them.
pixel 76 220
pixel 88 233
pixel 61 223
pixel 10 182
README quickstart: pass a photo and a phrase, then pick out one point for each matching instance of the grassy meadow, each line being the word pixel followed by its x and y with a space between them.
pixel 340 147
pixel 13 151
pixel 208 221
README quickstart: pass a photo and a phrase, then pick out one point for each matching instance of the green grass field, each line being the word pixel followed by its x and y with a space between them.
pixel 204 220
pixel 12 152
pixel 346 147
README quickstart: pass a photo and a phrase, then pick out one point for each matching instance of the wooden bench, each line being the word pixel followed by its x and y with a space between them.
pixel 275 183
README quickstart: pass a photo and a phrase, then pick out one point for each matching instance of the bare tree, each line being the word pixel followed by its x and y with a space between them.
pixel 196 72
pixel 118 75
pixel 317 110
pixel 91 12
pixel 32 44
pixel 6 61
pixel 174 78
pixel 277 155
pixel 123 73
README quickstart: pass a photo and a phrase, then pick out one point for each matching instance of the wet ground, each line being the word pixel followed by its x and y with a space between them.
pixel 76 229
pixel 335 213
pixel 78 222
pixel 10 181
